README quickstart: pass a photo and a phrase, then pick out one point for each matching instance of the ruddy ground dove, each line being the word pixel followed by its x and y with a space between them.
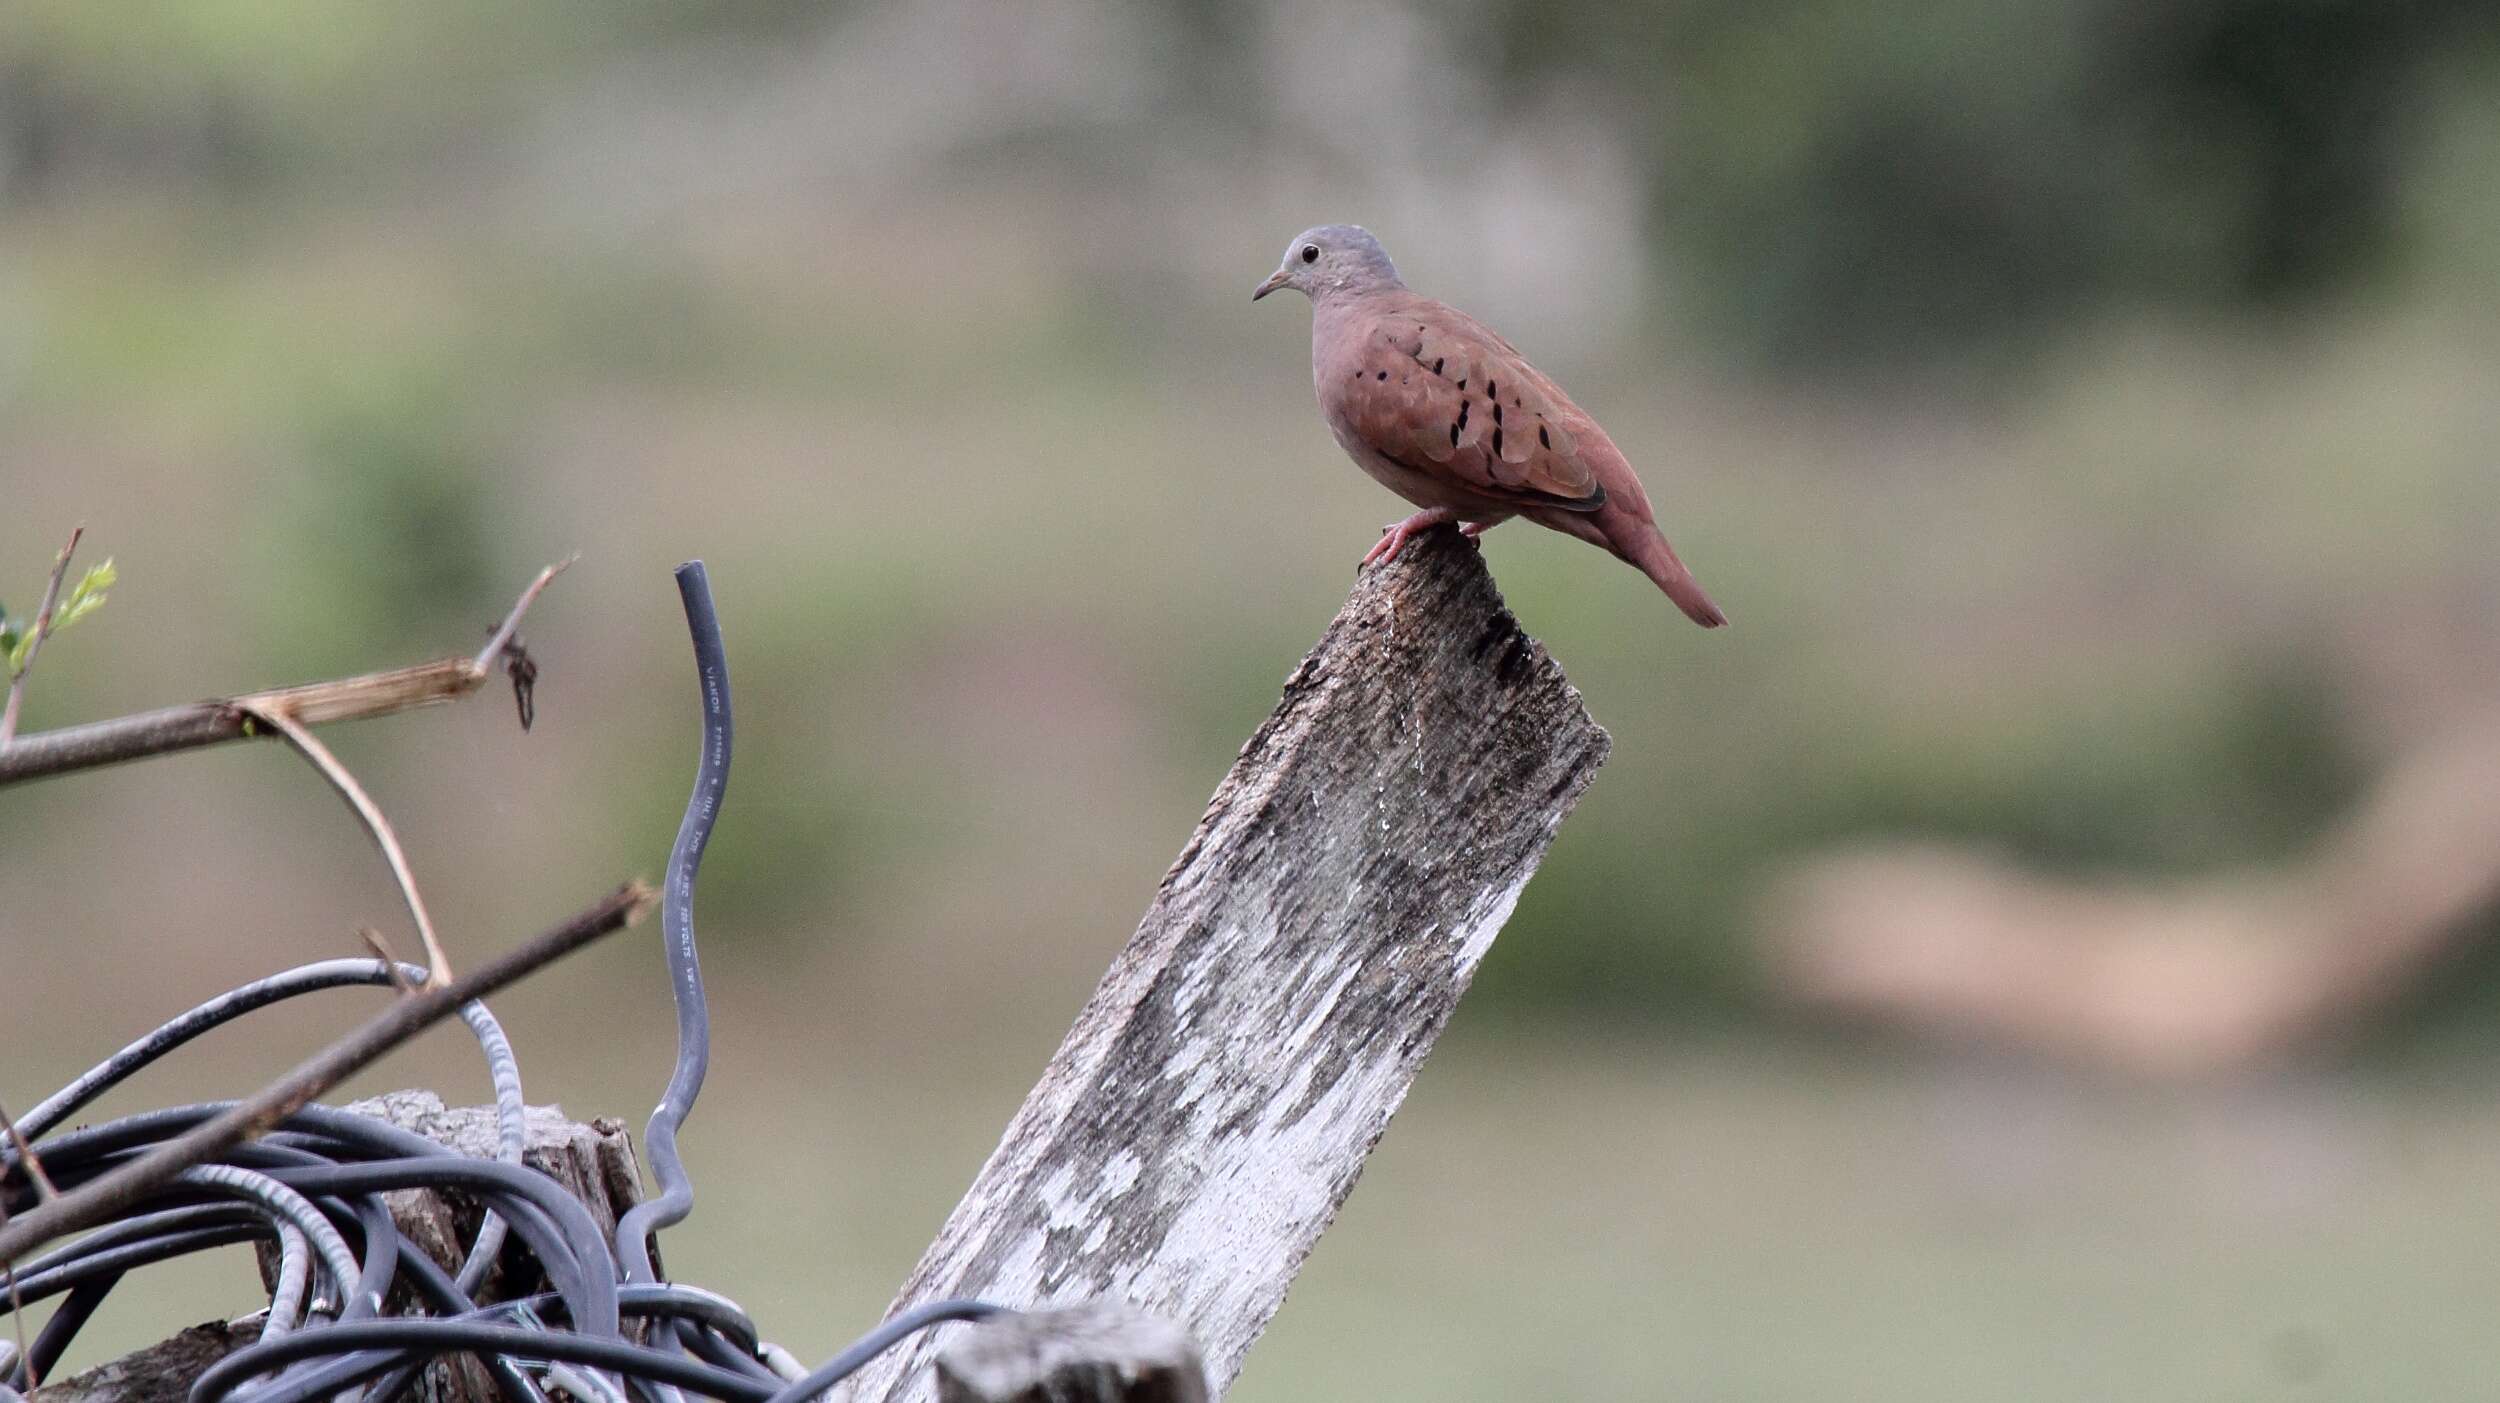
pixel 1450 416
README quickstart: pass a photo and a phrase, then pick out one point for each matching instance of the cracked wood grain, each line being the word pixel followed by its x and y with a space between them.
pixel 1211 1108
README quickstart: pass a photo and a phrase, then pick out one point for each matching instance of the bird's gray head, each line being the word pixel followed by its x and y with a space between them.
pixel 1330 260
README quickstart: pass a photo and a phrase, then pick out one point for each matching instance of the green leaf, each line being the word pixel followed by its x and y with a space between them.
pixel 17 638
pixel 86 596
pixel 96 581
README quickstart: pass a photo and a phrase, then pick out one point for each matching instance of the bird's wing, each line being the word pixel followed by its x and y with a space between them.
pixel 1431 389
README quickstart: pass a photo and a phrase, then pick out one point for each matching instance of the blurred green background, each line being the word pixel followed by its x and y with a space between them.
pixel 2086 409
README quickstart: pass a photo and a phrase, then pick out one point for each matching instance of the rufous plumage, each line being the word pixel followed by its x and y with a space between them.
pixel 1447 414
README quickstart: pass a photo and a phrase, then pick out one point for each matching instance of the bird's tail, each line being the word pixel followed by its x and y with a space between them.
pixel 1648 550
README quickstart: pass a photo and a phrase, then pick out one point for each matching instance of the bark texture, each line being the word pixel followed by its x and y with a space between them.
pixel 1210 1110
pixel 1098 1353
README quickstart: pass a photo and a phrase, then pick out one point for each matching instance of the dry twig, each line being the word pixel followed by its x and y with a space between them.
pixel 278 713
pixel 116 1192
pixel 382 951
pixel 308 745
pixel 486 656
pixel 43 630
pixel 43 1189
pixel 202 723
pixel 26 1154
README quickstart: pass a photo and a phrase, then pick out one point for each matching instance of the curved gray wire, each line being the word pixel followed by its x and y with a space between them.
pixel 183 1027
pixel 67 1320
pixel 666 1301
pixel 145 1225
pixel 435 1287
pixel 502 1067
pixel 285 1205
pixel 384 1337
pixel 334 1164
pixel 33 1286
pixel 694 1020
pixel 286 1300
pixel 512 1125
pixel 556 1226
pixel 878 1341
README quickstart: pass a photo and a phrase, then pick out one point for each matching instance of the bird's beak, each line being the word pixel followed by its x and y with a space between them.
pixel 1274 281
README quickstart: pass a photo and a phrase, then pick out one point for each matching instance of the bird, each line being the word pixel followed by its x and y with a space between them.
pixel 1442 411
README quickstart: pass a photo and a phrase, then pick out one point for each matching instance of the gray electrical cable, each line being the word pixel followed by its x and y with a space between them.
pixel 316 1179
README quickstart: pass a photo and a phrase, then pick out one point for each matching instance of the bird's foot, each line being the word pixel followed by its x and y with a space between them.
pixel 1473 529
pixel 1393 536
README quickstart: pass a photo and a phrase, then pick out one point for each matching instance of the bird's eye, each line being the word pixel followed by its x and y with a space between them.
pixel 1310 253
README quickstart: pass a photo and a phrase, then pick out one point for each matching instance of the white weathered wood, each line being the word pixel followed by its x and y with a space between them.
pixel 1102 1352
pixel 1211 1108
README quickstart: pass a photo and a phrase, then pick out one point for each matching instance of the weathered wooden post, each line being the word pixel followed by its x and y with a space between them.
pixel 1210 1110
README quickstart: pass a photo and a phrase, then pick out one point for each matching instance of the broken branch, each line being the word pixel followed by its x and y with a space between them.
pixel 195 724
pixel 116 1192
pixel 308 745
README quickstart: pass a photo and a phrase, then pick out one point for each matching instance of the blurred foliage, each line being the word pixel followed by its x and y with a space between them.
pixel 2449 1020
pixel 251 94
pixel 1831 183
pixel 380 543
pixel 2244 772
pixel 1836 182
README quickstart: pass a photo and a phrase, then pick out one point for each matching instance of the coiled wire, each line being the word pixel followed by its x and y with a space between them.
pixel 313 1188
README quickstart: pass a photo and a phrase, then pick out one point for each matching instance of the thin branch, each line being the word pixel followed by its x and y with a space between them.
pixel 382 951
pixel 308 745
pixel 196 724
pixel 17 1308
pixel 26 1154
pixel 43 630
pixel 116 1192
pixel 43 1191
pixel 486 656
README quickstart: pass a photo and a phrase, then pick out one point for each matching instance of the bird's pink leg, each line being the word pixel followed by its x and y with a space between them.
pixel 1393 536
pixel 1473 529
